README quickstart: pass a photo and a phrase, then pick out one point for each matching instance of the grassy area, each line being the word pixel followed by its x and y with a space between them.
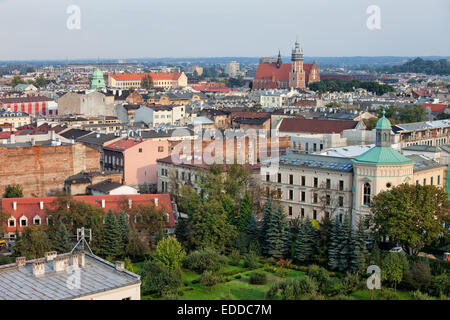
pixel 365 295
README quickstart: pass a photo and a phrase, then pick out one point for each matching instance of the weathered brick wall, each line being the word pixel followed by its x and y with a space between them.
pixel 42 169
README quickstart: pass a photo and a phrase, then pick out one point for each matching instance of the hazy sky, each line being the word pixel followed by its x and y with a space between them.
pixel 36 29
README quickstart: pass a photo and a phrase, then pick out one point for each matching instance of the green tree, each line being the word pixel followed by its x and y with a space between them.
pixel 393 267
pixel 333 249
pixel 136 247
pixel 277 234
pixel 323 241
pixel 32 243
pixel 124 227
pixel 245 213
pixel 306 242
pixel 159 279
pixel 253 232
pixel 40 82
pixel 344 241
pixel 16 80
pixel 62 242
pixel 13 191
pixel 268 212
pixel 358 248
pixel 169 252
pixel 228 206
pixel 112 243
pixel 411 215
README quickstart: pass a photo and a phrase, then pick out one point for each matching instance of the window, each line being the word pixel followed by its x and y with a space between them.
pixel 303 180
pixel 303 196
pixel 290 210
pixel 315 214
pixel 11 222
pixel 341 185
pixel 417 182
pixel 291 179
pixel 340 217
pixel 267 177
pixel 341 201
pixel 431 182
pixel 328 199
pixel 315 198
pixel 140 150
pixel 425 181
pixel 279 193
pixel 302 212
pixel 279 178
pixel 328 184
pixel 291 194
pixel 439 180
pixel 23 222
pixel 366 199
pixel 37 220
pixel 160 149
pixel 316 182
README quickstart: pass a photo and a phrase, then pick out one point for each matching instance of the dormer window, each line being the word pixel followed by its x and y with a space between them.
pixel 37 220
pixel 12 222
pixel 23 221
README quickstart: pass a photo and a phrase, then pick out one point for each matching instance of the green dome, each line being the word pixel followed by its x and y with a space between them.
pixel 97 80
pixel 383 123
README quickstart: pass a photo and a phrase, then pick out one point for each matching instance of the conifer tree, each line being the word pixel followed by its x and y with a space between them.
pixel 268 212
pixel 245 212
pixel 124 227
pixel 253 232
pixel 333 248
pixel 228 206
pixel 112 244
pixel 358 248
pixel 277 234
pixel 344 238
pixel 62 242
pixel 306 242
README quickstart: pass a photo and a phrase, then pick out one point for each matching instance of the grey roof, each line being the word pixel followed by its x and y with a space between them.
pixel 316 162
pixel 423 163
pixel 105 186
pixel 11 114
pixel 420 125
pixel 97 138
pixel 422 148
pixel 98 275
pixel 45 143
pixel 74 133
pixel 173 132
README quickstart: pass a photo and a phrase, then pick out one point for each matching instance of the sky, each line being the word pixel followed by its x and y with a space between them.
pixel 120 29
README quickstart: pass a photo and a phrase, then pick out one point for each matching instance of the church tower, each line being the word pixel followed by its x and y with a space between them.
pixel 297 74
pixel 279 62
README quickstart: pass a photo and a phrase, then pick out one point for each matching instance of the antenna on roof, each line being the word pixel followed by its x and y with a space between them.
pixel 81 239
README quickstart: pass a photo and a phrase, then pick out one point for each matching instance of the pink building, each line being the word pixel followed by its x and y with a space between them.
pixel 136 159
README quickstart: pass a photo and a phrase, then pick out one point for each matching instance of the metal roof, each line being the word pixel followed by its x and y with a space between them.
pixel 98 275
pixel 314 161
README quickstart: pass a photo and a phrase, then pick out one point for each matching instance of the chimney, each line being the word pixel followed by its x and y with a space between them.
pixel 120 265
pixel 60 263
pixel 50 255
pixel 81 259
pixel 41 205
pixel 14 204
pixel 103 203
pixel 130 203
pixel 38 268
pixel 156 202
pixel 75 258
pixel 20 261
pixel 12 138
pixel 52 135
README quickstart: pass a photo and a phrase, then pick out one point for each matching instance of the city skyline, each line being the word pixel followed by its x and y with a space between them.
pixel 136 29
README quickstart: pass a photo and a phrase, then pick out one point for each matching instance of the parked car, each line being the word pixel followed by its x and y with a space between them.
pixel 396 249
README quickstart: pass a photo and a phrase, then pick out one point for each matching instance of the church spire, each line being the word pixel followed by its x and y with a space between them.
pixel 279 59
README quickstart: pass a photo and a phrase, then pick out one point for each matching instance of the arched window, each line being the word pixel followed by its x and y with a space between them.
pixel 366 198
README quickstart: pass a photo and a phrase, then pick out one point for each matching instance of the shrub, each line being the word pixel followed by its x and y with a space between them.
pixel 387 294
pixel 340 297
pixel 319 274
pixel 293 289
pixel 171 296
pixel 419 276
pixel 251 260
pixel 234 258
pixel 351 282
pixel 440 285
pixel 238 276
pixel 204 259
pixel 210 279
pixel 159 279
pixel 417 295
pixel 258 277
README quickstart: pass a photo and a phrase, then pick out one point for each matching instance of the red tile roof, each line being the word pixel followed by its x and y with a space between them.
pixel 139 76
pixel 316 125
pixel 123 144
pixel 435 107
pixel 246 114
pixel 5 135
pixel 269 71
pixel 30 207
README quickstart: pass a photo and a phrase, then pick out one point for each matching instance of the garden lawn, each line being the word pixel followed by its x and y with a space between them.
pixel 364 294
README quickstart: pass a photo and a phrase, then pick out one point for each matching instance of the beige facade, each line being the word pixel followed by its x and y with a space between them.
pixel 132 292
pixel 16 119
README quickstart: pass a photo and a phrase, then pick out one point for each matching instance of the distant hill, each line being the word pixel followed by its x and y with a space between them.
pixel 419 65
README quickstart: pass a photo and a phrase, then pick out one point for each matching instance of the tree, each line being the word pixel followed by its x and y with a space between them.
pixel 124 227
pixel 245 213
pixel 158 278
pixel 147 82
pixel 33 243
pixel 16 80
pixel 228 206
pixel 40 81
pixel 169 252
pixel 333 249
pixel 358 248
pixel 136 247
pixel 306 242
pixel 344 241
pixel 410 215
pixel 149 219
pixel 4 216
pixel 112 243
pixel 277 234
pixel 393 267
pixel 13 191
pixel 253 232
pixel 323 241
pixel 268 212
pixel 62 242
